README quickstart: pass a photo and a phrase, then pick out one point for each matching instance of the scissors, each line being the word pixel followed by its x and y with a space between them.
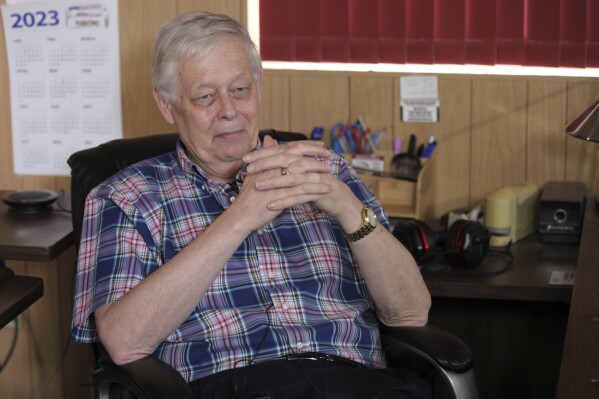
pixel 349 139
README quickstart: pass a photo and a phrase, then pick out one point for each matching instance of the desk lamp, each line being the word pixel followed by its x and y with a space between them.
pixel 586 126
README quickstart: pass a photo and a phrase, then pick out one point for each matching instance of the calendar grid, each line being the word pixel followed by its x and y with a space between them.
pixel 64 71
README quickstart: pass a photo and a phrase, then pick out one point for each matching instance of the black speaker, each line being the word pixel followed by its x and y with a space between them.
pixel 30 200
pixel 464 245
pixel 561 211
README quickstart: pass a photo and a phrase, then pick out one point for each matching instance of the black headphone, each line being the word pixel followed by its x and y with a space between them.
pixel 464 245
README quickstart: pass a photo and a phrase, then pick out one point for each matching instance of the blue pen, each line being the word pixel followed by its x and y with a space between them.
pixel 432 143
pixel 376 136
pixel 429 150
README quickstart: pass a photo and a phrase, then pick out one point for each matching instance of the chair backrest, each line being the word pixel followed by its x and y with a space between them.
pixel 92 166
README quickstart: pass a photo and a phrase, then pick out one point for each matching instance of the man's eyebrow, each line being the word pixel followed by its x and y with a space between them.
pixel 212 86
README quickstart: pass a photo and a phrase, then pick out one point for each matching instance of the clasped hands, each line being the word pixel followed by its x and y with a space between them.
pixel 279 177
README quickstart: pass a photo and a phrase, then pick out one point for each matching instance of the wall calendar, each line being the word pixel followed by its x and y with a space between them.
pixel 64 80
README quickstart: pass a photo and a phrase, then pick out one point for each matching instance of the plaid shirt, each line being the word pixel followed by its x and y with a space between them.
pixel 292 286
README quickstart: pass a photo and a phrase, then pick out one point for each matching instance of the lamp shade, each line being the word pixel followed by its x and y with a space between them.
pixel 586 125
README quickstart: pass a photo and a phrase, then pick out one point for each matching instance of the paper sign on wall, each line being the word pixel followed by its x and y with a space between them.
pixel 64 80
pixel 419 99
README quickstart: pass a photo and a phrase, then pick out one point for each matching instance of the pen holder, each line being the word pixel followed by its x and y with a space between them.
pixel 405 198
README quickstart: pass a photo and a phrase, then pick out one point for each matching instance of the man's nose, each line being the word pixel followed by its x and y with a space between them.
pixel 227 107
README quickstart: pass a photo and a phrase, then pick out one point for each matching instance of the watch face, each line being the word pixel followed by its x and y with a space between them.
pixel 371 216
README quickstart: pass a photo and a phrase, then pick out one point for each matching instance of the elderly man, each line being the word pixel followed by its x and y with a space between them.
pixel 255 269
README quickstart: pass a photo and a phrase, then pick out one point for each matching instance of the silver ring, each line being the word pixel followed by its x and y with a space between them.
pixel 285 172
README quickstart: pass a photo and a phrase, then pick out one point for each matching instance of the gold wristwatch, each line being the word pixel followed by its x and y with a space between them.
pixel 369 222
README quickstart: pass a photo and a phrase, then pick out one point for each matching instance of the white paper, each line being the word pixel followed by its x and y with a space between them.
pixel 419 99
pixel 64 80
pixel 560 277
pixel 419 87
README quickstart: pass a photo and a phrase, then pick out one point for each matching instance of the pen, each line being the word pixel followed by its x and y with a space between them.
pixel 360 121
pixel 429 150
pixel 412 145
pixel 432 143
pixel 376 136
pixel 396 146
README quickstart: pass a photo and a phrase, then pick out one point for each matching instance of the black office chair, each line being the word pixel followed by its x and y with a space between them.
pixel 435 354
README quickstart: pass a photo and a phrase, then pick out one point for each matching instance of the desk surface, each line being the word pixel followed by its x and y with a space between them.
pixel 580 360
pixel 527 279
pixel 37 236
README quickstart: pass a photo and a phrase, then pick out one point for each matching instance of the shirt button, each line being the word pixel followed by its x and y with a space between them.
pixel 299 345
pixel 232 199
pixel 260 231
pixel 271 275
pixel 285 307
pixel 203 187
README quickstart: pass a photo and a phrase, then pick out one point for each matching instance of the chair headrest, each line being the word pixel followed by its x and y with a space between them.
pixel 92 166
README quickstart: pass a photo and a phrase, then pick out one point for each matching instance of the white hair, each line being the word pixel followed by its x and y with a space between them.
pixel 189 36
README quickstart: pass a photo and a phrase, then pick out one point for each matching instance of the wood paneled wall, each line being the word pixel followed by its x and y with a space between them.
pixel 493 131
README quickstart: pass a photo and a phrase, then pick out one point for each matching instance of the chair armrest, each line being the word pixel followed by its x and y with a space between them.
pixel 444 348
pixel 147 378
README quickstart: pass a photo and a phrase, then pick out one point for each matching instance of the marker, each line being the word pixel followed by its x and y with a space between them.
pixel 317 133
pixel 396 146
pixel 429 150
pixel 432 143
pixel 412 145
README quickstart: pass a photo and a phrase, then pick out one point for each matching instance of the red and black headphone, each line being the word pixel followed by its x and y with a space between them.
pixel 464 245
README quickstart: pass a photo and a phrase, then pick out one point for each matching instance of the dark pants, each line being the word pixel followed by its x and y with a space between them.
pixel 304 379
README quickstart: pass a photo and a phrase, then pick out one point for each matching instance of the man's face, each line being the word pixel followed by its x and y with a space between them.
pixel 216 110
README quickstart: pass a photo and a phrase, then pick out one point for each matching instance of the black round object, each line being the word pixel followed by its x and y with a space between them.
pixel 30 200
pixel 465 245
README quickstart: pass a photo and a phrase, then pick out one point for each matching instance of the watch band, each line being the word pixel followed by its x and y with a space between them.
pixel 367 225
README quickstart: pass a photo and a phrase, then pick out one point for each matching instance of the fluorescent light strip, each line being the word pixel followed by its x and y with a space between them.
pixel 509 70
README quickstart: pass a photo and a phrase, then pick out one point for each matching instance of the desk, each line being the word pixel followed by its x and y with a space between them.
pixel 580 360
pixel 514 322
pixel 527 279
pixel 29 237
pixel 38 237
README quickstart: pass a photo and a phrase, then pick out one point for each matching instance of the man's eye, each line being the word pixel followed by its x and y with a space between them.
pixel 241 91
pixel 205 99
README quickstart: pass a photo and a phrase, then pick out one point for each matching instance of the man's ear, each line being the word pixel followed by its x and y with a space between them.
pixel 164 107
